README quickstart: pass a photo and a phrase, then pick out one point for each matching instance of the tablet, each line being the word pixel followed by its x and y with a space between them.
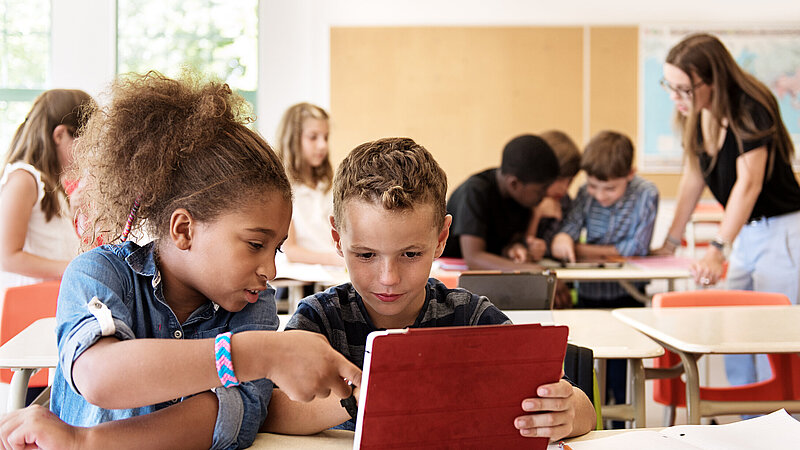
pixel 454 387
pixel 512 290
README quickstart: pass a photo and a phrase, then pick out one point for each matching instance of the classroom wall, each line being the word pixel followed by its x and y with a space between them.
pixel 295 41
pixel 607 85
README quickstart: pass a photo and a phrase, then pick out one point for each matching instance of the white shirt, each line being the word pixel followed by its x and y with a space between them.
pixel 56 239
pixel 310 217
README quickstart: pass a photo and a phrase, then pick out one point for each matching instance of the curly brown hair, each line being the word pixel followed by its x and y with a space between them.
pixel 33 141
pixel 171 144
pixel 397 172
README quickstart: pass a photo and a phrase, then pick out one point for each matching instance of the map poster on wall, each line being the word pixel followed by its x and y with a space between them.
pixel 771 54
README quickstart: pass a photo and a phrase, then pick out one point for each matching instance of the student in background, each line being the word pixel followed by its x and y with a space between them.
pixel 735 143
pixel 390 223
pixel 618 211
pixel 138 326
pixel 303 147
pixel 37 236
pixel 492 210
pixel 549 214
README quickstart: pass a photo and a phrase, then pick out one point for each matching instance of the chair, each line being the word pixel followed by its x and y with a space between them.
pixel 579 367
pixel 783 384
pixel 21 306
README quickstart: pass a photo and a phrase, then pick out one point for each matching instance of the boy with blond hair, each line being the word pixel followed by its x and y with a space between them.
pixel 389 224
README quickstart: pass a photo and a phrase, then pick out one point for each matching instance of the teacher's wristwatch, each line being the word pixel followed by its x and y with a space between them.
pixel 722 245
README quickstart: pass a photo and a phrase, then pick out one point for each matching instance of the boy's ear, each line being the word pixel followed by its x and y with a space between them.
pixel 181 228
pixel 632 173
pixel 336 238
pixel 443 235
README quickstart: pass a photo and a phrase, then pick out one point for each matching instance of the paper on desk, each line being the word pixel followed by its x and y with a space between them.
pixel 661 262
pixel 775 430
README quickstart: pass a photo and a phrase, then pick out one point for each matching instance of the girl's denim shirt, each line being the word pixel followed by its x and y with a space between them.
pixel 126 279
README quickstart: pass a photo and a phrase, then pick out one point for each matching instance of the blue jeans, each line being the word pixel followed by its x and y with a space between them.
pixel 766 258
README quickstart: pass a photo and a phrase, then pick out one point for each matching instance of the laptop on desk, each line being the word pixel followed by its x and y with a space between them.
pixel 512 290
pixel 457 387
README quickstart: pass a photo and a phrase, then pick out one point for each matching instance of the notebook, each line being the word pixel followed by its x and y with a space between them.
pixel 457 387
pixel 512 290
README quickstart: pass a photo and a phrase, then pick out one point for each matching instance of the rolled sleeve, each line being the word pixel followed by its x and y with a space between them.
pixel 242 410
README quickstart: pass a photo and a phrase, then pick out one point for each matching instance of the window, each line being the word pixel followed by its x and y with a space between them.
pixel 217 38
pixel 24 61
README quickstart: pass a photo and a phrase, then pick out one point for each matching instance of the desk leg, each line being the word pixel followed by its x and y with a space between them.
pixel 633 292
pixel 18 388
pixel 636 391
pixel 692 387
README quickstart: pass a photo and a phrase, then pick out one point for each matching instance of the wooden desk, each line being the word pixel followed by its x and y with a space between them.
pixel 693 332
pixel 32 349
pixel 608 338
pixel 340 439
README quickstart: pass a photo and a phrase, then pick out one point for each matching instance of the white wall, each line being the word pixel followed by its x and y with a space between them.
pixel 294 35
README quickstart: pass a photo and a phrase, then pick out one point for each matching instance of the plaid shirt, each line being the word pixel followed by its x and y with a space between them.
pixel 627 224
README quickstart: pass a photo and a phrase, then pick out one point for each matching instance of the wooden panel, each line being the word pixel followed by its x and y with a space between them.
pixel 460 92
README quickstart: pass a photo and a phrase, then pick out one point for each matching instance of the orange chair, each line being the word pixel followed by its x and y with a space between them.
pixel 782 385
pixel 21 306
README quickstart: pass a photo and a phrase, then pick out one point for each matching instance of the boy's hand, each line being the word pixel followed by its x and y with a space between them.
pixel 306 366
pixel 517 253
pixel 563 247
pixel 536 248
pixel 552 415
pixel 36 427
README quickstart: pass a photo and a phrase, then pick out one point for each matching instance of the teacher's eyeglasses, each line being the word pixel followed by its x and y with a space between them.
pixel 683 93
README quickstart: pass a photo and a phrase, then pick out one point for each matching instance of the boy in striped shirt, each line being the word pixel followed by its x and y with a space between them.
pixel 389 224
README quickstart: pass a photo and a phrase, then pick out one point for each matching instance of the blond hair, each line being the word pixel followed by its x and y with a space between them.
pixel 290 145
pixel 33 141
pixel 397 173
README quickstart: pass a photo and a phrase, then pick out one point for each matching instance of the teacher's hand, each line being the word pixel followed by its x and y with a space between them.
pixel 710 269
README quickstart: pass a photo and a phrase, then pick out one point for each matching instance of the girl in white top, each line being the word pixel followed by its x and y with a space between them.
pixel 303 147
pixel 37 236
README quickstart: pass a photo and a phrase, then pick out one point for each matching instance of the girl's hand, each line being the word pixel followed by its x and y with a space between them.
pixel 708 270
pixel 37 427
pixel 305 366
pixel 552 414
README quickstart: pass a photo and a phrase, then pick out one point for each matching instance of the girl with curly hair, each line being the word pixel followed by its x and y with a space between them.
pixel 180 331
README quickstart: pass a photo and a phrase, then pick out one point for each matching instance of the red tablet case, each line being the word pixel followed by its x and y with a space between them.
pixel 456 387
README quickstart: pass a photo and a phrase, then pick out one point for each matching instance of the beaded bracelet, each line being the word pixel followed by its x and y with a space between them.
pixel 222 351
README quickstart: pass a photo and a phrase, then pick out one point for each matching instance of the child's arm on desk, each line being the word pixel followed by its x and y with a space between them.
pixel 166 428
pixel 116 374
pixel 562 410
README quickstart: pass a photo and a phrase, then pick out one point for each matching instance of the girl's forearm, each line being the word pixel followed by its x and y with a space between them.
pixel 117 374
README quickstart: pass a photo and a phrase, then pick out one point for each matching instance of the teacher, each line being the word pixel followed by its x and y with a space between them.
pixel 735 143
